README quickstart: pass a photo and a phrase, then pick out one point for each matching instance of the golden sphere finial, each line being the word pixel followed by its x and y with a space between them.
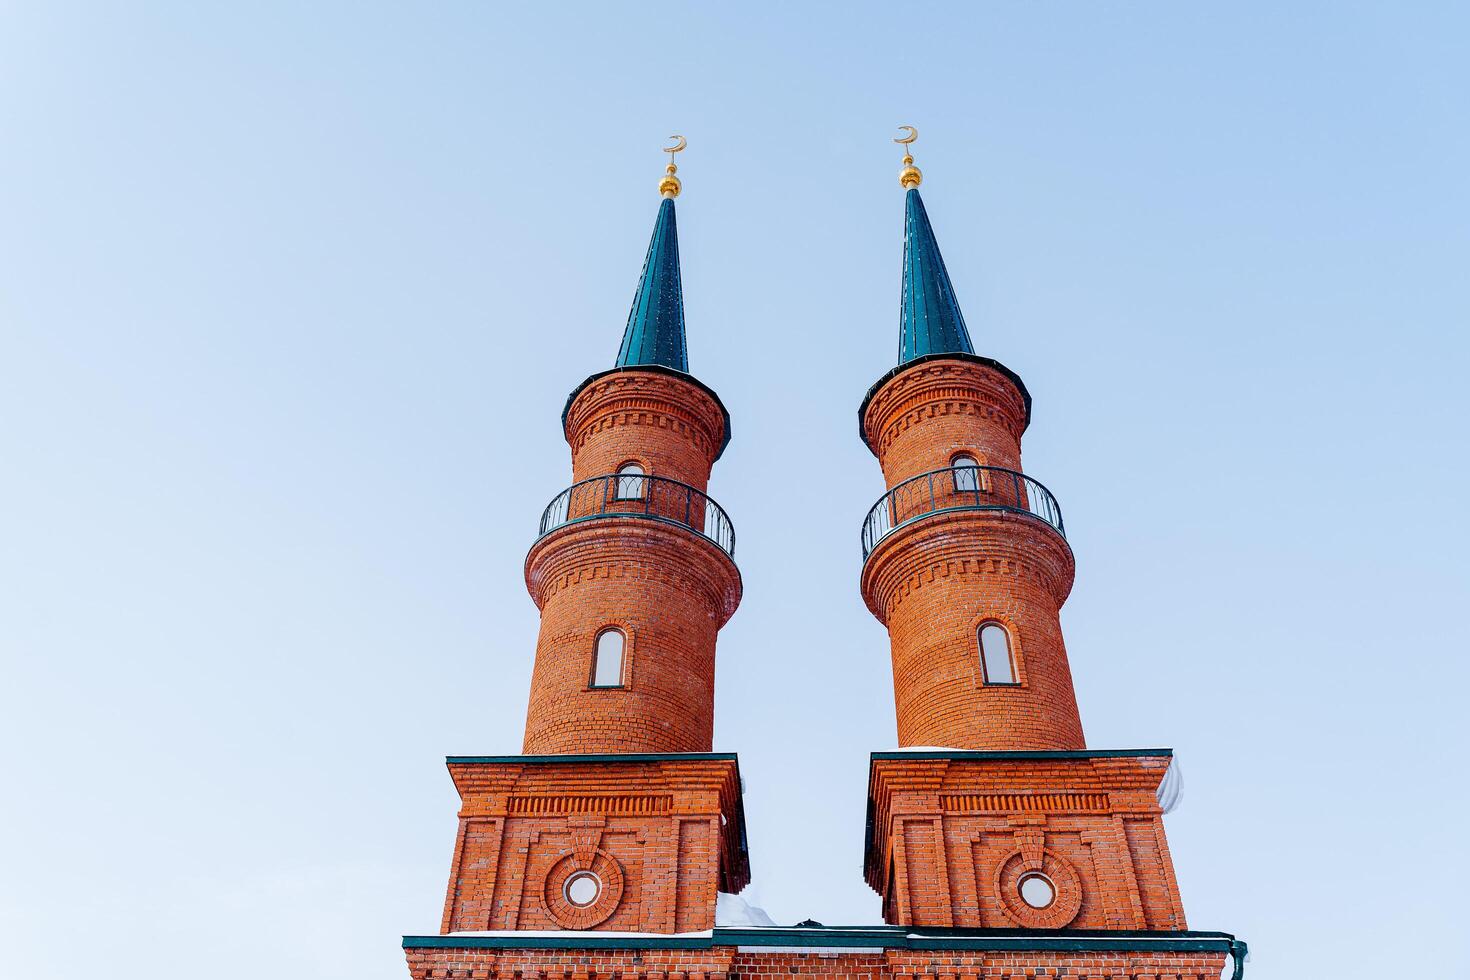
pixel 669 186
pixel 910 176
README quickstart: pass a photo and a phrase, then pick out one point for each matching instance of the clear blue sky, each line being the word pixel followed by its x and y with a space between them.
pixel 291 297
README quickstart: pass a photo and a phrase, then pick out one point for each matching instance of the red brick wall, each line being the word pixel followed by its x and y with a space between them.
pixel 669 592
pixel 670 426
pixel 923 416
pixel 664 587
pixel 662 837
pixel 731 963
pixel 934 582
pixel 953 838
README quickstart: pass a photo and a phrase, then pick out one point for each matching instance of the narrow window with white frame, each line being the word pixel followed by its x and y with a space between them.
pixel 607 670
pixel 966 472
pixel 995 654
pixel 630 482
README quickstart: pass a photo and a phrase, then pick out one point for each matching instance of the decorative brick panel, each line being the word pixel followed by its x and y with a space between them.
pixel 659 837
pixel 1090 824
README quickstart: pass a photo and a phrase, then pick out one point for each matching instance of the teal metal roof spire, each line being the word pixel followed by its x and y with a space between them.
pixel 930 321
pixel 931 326
pixel 655 331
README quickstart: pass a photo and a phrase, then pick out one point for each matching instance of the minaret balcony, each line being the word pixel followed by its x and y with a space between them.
pixel 960 488
pixel 640 497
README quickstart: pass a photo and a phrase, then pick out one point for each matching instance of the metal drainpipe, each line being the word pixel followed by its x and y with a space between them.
pixel 1238 952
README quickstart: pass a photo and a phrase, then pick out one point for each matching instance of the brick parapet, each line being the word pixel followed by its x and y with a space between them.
pixel 670 424
pixel 661 836
pixel 950 839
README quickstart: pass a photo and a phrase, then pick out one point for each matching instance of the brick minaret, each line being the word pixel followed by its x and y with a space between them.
pixel 1002 847
pixel 1003 818
pixel 644 436
pixel 617 817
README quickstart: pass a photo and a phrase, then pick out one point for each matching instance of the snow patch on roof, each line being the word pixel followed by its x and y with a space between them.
pixel 732 910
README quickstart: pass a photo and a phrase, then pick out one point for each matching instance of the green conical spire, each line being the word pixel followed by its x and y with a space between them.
pixel 655 332
pixel 930 321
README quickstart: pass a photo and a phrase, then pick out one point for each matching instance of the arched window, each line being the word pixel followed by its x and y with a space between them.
pixel 630 482
pixel 966 472
pixel 995 654
pixel 607 671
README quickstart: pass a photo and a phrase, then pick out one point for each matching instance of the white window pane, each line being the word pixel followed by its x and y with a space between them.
pixel 1037 891
pixel 609 669
pixel 995 647
pixel 630 482
pixel 966 476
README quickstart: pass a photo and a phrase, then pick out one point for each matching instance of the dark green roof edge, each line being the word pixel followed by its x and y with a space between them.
pixel 468 760
pixel 889 937
pixel 657 369
pixel 577 940
pixel 963 754
pixel 892 373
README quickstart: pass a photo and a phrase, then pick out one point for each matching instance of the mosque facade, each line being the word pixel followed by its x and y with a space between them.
pixel 1001 844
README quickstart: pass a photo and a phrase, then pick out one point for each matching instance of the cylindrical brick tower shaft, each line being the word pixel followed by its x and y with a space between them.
pixel 966 561
pixel 633 570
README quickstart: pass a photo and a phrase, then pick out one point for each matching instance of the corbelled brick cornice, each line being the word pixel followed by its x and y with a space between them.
pixel 635 397
pixel 942 387
pixel 964 542
pixel 622 546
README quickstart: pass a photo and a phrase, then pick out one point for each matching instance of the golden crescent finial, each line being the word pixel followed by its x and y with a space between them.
pixel 670 186
pixel 910 176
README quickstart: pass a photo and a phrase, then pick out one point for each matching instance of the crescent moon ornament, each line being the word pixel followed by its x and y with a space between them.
pixel 910 176
pixel 670 186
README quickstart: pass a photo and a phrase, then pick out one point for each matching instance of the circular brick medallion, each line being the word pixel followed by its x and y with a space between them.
pixel 1019 885
pixel 579 895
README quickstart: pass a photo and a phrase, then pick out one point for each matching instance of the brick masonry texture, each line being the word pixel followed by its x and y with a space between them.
pixel 661 837
pixel 669 591
pixel 665 587
pixel 736 963
pixel 670 426
pixel 950 841
pixel 953 837
pixel 935 581
pixel 923 416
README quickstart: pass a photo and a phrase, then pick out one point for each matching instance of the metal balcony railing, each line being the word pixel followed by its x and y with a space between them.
pixel 959 488
pixel 653 498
